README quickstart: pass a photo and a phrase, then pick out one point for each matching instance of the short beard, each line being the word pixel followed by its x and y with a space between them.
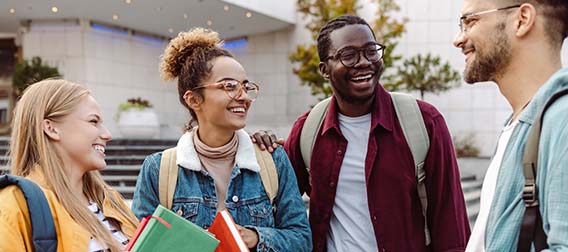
pixel 491 65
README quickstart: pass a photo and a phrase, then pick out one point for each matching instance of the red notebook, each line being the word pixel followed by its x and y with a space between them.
pixel 225 230
pixel 137 233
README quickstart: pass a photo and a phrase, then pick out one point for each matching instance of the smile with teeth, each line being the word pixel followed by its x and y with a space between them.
pixel 238 110
pixel 99 148
pixel 363 77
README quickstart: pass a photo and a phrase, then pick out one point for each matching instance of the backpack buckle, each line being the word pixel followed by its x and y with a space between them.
pixel 420 173
pixel 530 196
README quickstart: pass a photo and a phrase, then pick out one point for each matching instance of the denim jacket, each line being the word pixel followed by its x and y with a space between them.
pixel 281 226
pixel 507 208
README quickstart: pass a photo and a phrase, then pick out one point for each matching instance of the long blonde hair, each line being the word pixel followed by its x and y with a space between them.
pixel 31 148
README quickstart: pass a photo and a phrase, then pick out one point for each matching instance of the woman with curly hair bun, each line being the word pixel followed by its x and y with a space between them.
pixel 216 163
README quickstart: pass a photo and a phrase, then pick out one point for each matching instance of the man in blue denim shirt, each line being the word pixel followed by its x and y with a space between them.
pixel 517 44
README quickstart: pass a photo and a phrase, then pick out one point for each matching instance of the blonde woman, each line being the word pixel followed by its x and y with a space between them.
pixel 58 141
pixel 217 167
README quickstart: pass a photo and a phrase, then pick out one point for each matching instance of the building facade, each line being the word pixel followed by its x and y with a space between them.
pixel 114 48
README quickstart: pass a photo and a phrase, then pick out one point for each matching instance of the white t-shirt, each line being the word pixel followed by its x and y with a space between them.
pixel 477 239
pixel 94 245
pixel 350 225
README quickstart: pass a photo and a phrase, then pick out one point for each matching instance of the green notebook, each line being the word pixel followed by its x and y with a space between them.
pixel 181 236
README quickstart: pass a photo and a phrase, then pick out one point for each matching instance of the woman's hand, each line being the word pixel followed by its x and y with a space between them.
pixel 264 138
pixel 250 237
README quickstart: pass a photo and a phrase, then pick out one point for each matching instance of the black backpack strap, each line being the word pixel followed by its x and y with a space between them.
pixel 531 227
pixel 43 229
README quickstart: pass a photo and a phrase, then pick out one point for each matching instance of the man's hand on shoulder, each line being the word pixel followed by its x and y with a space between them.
pixel 265 138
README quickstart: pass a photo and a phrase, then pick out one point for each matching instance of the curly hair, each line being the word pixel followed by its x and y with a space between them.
pixel 323 41
pixel 188 57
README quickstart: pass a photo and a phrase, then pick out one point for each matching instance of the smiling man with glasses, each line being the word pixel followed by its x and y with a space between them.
pixel 362 180
pixel 517 45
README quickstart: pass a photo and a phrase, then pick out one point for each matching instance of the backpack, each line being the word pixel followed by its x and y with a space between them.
pixel 169 173
pixel 531 227
pixel 412 124
pixel 44 237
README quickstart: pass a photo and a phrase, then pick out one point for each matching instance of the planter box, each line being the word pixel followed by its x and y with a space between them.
pixel 139 124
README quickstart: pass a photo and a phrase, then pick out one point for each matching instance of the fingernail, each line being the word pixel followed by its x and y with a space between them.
pixel 262 146
pixel 270 149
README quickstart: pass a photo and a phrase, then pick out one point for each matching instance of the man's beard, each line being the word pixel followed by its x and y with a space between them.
pixel 492 64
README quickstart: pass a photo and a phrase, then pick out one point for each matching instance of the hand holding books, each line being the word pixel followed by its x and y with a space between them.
pixel 250 237
pixel 229 234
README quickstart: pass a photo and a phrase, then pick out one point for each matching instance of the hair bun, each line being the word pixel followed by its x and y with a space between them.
pixel 186 44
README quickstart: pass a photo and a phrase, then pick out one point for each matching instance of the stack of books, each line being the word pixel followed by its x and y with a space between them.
pixel 167 231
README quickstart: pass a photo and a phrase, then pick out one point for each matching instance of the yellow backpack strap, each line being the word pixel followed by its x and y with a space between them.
pixel 268 173
pixel 167 180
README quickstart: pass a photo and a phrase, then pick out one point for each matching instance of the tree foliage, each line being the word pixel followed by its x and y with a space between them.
pixel 425 74
pixel 28 72
pixel 388 30
pixel 318 12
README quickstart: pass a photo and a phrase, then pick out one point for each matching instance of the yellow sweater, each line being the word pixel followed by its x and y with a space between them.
pixel 15 227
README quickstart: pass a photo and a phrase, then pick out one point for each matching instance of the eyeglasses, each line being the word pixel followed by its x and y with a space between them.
pixel 465 21
pixel 233 88
pixel 350 56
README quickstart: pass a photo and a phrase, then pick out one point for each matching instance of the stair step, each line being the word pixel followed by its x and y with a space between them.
pixel 467 177
pixel 471 185
pixel 471 197
pixel 472 210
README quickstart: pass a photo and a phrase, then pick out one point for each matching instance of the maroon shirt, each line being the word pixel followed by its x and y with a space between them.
pixel 393 200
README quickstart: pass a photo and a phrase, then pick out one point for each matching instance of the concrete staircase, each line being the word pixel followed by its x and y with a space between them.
pixel 124 158
pixel 471 187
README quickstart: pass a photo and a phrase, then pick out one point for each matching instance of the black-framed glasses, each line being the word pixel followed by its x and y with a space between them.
pixel 234 88
pixel 350 56
pixel 465 21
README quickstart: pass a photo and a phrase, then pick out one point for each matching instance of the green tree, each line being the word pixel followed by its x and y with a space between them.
pixel 387 28
pixel 425 74
pixel 26 73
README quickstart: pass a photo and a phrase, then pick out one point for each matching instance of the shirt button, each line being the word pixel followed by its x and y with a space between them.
pixel 179 212
pixel 332 184
pixel 374 218
pixel 339 152
pixel 235 198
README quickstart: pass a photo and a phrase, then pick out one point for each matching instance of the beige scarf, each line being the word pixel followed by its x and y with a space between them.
pixel 219 163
